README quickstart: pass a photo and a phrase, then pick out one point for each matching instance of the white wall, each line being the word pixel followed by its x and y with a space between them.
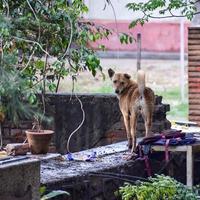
pixel 98 10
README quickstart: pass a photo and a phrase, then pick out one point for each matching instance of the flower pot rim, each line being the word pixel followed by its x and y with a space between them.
pixel 42 131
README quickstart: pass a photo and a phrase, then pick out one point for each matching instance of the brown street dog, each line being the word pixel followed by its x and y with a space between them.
pixel 134 98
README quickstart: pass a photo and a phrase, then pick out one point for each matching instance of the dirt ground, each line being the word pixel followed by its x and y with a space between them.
pixel 160 75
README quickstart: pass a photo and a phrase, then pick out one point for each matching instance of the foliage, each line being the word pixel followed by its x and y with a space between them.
pixel 159 188
pixel 43 41
pixel 16 98
pixel 52 194
pixel 50 38
pixel 163 8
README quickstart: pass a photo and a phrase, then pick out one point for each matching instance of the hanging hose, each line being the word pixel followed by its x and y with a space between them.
pixel 1 139
pixel 83 119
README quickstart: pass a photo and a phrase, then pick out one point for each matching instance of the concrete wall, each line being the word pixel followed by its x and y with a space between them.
pixel 156 36
pixel 99 180
pixel 103 121
pixel 20 180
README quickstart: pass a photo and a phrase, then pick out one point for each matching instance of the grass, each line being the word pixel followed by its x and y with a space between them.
pixel 178 109
pixel 107 88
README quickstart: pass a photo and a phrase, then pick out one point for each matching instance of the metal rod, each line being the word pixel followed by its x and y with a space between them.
pixel 138 51
pixel 14 160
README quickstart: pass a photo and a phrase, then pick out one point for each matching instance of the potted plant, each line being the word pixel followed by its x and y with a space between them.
pixel 38 138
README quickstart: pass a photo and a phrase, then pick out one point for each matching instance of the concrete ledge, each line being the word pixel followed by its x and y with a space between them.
pixel 108 157
pixel 101 178
pixel 144 55
pixel 20 180
pixel 87 180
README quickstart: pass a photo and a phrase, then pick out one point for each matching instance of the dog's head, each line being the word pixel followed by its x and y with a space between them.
pixel 120 81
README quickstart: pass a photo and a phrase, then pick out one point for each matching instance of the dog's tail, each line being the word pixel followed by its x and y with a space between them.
pixel 141 82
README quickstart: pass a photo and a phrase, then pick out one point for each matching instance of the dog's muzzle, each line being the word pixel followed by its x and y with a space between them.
pixel 117 91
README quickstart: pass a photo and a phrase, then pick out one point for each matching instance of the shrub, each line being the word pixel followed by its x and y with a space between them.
pixel 159 188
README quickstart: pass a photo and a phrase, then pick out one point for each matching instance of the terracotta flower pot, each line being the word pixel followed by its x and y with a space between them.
pixel 39 141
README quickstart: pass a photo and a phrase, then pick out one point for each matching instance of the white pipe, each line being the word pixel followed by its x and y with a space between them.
pixel 182 67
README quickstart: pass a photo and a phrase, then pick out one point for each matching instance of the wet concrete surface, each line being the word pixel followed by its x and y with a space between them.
pixel 107 157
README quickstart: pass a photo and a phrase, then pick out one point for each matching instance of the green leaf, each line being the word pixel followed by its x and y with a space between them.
pixel 54 194
pixel 133 24
pixel 32 98
pixel 52 87
pixel 102 47
pixel 42 190
pixel 131 40
pixel 39 64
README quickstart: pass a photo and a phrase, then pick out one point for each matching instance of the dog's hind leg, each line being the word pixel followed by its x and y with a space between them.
pixel 127 126
pixel 133 122
pixel 148 123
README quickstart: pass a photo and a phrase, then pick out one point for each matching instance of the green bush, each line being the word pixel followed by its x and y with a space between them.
pixel 159 188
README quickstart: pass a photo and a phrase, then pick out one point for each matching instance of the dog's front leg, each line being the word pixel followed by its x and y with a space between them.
pixel 127 126
pixel 133 122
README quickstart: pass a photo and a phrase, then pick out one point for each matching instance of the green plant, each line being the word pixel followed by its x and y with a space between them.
pixel 158 188
pixel 52 194
pixel 16 98
pixel 158 9
pixel 51 39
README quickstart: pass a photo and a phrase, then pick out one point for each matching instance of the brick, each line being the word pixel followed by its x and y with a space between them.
pixel 194 74
pixel 15 132
pixel 193 47
pixel 194 106
pixel 194 118
pixel 6 132
pixel 194 53
pixel 195 91
pixel 194 85
pixel 194 69
pixel 194 41
pixel 158 100
pixel 193 58
pixel 194 96
pixel 194 112
pixel 194 80
pixel 159 108
pixel 194 101
pixel 194 36
pixel 166 107
pixel 193 64
pixel 193 33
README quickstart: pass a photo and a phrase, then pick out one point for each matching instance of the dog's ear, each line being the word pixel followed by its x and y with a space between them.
pixel 111 73
pixel 127 76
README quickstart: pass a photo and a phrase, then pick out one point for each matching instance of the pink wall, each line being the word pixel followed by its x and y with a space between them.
pixel 156 36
